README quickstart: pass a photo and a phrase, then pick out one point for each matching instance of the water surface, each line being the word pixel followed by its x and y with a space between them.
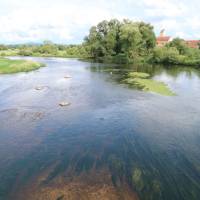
pixel 149 141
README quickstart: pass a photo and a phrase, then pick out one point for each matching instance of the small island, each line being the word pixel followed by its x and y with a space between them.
pixel 9 66
pixel 142 81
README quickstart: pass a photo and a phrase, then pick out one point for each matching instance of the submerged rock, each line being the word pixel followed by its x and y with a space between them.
pixel 66 77
pixel 39 87
pixel 64 103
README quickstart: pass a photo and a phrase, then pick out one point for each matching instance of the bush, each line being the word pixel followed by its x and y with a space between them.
pixel 171 55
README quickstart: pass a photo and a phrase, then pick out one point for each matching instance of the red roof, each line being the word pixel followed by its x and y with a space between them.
pixel 163 39
pixel 193 43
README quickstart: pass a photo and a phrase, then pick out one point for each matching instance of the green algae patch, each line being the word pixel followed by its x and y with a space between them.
pixel 138 75
pixel 8 66
pixel 143 82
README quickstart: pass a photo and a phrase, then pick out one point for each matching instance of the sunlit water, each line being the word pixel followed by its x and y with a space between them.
pixel 157 135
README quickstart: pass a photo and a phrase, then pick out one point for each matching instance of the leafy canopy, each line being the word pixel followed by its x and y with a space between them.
pixel 114 38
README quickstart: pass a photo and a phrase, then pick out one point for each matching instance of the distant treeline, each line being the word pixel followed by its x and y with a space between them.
pixel 46 49
pixel 115 41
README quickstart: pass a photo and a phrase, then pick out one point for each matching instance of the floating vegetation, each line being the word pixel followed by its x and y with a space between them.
pixel 138 75
pixel 142 81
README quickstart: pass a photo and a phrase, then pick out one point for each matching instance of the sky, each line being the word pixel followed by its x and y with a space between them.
pixel 69 21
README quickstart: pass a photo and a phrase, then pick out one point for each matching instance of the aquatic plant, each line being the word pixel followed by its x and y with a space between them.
pixel 142 81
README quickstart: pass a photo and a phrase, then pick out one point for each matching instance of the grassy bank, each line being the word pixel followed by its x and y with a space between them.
pixel 8 66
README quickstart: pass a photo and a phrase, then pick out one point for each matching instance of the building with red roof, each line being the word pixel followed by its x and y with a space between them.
pixel 162 40
pixel 193 43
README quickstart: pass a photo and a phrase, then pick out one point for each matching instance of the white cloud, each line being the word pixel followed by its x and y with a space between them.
pixel 69 21
pixel 181 34
pixel 167 8
pixel 53 22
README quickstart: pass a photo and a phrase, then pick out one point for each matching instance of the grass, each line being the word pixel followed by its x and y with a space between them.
pixel 8 66
pixel 142 81
pixel 9 52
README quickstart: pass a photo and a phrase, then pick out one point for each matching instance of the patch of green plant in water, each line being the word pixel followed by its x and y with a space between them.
pixel 147 188
pixel 8 66
pixel 141 81
pixel 137 179
pixel 138 75
pixel 156 186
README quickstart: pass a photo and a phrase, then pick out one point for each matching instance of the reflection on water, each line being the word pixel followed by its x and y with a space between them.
pixel 148 141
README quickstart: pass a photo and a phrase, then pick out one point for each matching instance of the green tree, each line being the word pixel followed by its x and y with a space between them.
pixel 3 47
pixel 130 39
pixel 48 48
pixel 117 39
pixel 180 45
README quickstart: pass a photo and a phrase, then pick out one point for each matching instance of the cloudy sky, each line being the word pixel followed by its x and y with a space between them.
pixel 68 21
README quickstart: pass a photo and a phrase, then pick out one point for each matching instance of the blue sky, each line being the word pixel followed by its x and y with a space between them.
pixel 68 21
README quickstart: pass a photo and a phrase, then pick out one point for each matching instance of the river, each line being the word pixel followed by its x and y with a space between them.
pixel 140 141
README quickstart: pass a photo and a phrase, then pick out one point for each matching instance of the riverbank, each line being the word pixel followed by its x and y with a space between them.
pixel 8 66
pixel 158 55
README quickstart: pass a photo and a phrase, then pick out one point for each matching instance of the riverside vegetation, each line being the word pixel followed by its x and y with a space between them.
pixel 115 41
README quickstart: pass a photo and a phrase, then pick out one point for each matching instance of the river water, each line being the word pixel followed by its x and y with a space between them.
pixel 150 141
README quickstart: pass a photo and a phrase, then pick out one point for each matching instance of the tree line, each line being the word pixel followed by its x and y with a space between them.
pixel 115 41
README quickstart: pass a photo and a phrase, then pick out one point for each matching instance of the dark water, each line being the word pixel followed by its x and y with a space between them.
pixel 150 141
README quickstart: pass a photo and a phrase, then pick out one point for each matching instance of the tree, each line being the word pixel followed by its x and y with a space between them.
pixel 180 45
pixel 148 36
pixel 130 39
pixel 3 47
pixel 48 48
pixel 114 38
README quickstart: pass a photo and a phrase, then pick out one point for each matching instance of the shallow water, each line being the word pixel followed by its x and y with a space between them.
pixel 107 124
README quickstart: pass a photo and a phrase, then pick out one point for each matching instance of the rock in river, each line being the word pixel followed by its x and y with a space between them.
pixel 67 76
pixel 64 103
pixel 39 87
